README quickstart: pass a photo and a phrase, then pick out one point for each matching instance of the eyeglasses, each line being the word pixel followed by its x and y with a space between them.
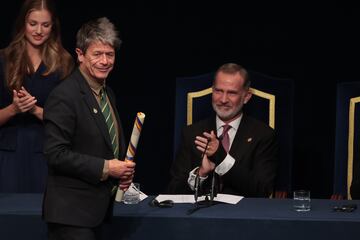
pixel 162 204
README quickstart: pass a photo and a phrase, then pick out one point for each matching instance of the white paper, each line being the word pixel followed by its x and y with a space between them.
pixel 189 198
pixel 142 196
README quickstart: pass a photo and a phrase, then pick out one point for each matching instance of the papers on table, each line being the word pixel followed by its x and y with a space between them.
pixel 189 198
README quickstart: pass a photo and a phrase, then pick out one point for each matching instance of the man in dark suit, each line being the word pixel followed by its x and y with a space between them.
pixel 84 141
pixel 241 150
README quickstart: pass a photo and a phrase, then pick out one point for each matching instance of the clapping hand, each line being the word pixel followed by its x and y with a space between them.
pixel 23 101
pixel 201 143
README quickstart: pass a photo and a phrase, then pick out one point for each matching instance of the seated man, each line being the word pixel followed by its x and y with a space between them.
pixel 241 151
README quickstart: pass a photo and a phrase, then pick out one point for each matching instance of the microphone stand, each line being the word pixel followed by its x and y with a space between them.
pixel 197 178
pixel 207 202
pixel 212 190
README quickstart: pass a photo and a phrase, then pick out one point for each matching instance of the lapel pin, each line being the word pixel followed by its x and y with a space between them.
pixel 249 139
pixel 95 110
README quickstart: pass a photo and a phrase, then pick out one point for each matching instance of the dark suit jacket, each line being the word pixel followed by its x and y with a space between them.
pixel 254 149
pixel 76 143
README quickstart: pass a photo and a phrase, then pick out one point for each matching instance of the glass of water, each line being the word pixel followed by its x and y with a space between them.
pixel 302 201
pixel 132 195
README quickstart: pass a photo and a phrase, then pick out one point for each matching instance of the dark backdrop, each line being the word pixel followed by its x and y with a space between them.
pixel 316 46
pixel 143 78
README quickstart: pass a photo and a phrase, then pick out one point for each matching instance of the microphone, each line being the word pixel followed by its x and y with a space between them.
pixel 207 202
pixel 213 192
pixel 197 178
pixel 212 189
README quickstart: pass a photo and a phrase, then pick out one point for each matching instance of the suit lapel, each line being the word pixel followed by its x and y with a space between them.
pixel 212 125
pixel 240 142
pixel 94 108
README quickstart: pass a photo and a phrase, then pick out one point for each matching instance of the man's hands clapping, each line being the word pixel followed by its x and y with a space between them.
pixel 211 143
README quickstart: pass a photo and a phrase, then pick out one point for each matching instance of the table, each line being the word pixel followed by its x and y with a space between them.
pixel 251 218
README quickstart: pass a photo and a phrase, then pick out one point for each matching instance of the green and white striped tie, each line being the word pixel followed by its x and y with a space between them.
pixel 105 109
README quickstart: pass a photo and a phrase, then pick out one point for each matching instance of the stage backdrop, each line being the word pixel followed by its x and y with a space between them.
pixel 163 40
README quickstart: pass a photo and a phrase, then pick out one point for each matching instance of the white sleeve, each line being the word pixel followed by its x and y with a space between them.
pixel 192 177
pixel 225 165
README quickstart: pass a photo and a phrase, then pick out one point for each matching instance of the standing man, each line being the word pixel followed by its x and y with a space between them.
pixel 241 150
pixel 84 141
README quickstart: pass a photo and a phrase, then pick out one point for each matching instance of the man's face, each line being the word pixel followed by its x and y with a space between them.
pixel 98 60
pixel 229 95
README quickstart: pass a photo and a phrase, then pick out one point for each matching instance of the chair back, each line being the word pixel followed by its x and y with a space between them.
pixel 346 137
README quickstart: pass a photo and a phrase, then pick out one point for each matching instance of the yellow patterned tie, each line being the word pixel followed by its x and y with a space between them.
pixel 105 109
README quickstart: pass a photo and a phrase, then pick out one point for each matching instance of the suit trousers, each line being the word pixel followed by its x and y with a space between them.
pixel 65 232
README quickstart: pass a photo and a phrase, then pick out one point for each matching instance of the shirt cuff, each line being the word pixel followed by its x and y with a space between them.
pixel 192 177
pixel 105 173
pixel 225 165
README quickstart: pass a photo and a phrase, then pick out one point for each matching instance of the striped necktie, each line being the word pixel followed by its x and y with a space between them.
pixel 106 111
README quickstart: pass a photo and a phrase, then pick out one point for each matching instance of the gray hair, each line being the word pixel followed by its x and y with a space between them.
pixel 233 68
pixel 101 30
